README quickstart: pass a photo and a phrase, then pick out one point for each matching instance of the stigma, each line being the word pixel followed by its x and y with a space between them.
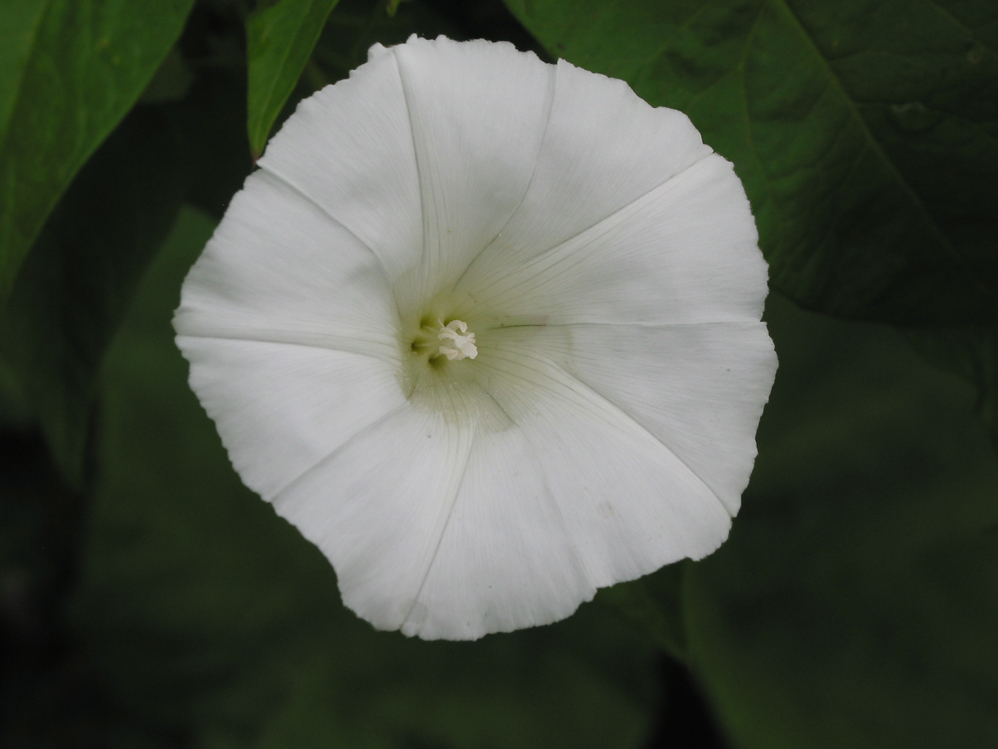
pixel 456 342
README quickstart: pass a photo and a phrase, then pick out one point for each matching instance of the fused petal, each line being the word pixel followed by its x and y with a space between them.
pixel 487 331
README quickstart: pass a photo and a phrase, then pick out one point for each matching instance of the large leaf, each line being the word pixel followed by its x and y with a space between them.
pixel 866 133
pixel 279 41
pixel 82 273
pixel 970 352
pixel 854 604
pixel 69 71
pixel 654 604
pixel 206 616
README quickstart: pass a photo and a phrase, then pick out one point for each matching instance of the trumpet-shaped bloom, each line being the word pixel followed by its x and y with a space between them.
pixel 487 331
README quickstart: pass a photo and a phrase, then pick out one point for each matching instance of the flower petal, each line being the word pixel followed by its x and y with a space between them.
pixel 378 506
pixel 478 112
pixel 349 149
pixel 278 269
pixel 699 389
pixel 603 148
pixel 280 408
pixel 506 560
pixel 684 252
pixel 604 264
pixel 628 502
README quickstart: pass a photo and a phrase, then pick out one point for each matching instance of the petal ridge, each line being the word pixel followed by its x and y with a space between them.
pixel 232 336
pixel 407 96
pixel 448 513
pixel 526 190
pixel 584 388
pixel 476 147
pixel 539 256
pixel 277 175
pixel 276 499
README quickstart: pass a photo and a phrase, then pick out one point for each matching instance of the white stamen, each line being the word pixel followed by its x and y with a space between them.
pixel 458 343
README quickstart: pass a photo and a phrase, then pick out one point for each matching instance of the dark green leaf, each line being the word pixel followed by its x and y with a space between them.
pixel 41 526
pixel 211 123
pixel 171 82
pixel 69 71
pixel 970 352
pixel 854 604
pixel 82 273
pixel 279 41
pixel 866 133
pixel 654 604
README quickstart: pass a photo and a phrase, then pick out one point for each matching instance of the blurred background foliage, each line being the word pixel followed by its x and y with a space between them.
pixel 147 599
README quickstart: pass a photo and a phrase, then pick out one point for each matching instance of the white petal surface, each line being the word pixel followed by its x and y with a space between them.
pixel 602 260
pixel 455 535
pixel 349 149
pixel 699 389
pixel 603 148
pixel 379 505
pixel 454 531
pixel 628 502
pixel 478 112
pixel 506 560
pixel 280 408
pixel 684 252
pixel 278 269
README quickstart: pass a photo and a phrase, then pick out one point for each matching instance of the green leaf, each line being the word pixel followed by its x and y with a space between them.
pixel 205 615
pixel 279 41
pixel 970 352
pixel 80 277
pixel 853 605
pixel 69 71
pixel 866 133
pixel 171 82
pixel 654 604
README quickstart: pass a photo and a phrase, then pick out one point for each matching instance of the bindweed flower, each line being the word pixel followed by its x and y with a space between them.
pixel 487 331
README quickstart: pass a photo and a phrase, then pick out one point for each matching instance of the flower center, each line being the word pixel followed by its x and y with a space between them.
pixel 437 343
pixel 456 342
pixel 434 378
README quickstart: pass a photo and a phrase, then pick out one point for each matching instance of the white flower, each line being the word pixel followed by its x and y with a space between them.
pixel 487 331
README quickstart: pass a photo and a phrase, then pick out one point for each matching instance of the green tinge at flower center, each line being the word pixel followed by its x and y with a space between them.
pixel 439 370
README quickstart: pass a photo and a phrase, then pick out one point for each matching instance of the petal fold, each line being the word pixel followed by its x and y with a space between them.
pixel 628 502
pixel 378 507
pixel 603 149
pixel 698 389
pixel 349 149
pixel 478 112
pixel 506 560
pixel 278 269
pixel 685 252
pixel 280 409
